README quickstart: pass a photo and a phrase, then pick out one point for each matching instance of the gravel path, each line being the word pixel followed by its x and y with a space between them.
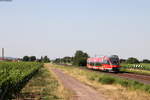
pixel 82 91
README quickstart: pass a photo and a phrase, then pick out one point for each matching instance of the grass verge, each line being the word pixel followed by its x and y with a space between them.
pixel 114 87
pixel 136 71
pixel 43 86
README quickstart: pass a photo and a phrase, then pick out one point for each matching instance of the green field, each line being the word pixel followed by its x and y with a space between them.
pixel 141 66
pixel 14 75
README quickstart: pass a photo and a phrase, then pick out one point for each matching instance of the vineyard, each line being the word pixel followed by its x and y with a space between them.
pixel 137 66
pixel 14 75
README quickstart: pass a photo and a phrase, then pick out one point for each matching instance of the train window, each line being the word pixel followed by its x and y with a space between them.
pixel 97 64
pixel 91 63
pixel 106 62
pixel 114 61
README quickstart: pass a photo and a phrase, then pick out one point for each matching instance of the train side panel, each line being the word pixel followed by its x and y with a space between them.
pixel 103 63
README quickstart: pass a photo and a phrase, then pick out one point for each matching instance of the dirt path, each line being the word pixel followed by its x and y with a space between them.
pixel 82 91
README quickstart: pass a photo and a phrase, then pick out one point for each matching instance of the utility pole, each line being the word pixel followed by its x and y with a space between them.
pixel 3 54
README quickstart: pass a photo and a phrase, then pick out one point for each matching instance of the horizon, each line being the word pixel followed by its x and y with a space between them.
pixel 63 57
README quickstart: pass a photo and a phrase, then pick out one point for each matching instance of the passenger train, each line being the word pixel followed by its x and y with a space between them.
pixel 104 63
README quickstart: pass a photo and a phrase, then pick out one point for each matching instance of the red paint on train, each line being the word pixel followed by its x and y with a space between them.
pixel 104 63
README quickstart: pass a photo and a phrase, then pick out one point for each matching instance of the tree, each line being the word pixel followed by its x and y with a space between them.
pixel 57 60
pixel 67 59
pixel 122 60
pixel 32 58
pixel 25 58
pixel 46 59
pixel 64 60
pixel 41 59
pixel 146 61
pixel 132 60
pixel 80 58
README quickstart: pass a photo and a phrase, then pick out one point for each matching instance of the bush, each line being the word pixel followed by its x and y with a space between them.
pixel 123 83
pixel 146 61
pixel 107 80
pixel 135 85
pixel 146 88
pixel 132 60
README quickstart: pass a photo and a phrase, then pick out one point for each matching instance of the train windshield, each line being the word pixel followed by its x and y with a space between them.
pixel 114 61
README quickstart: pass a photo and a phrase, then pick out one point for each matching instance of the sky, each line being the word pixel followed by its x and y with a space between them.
pixel 58 28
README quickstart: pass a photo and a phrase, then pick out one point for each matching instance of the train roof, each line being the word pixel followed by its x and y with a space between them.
pixel 113 56
pixel 97 59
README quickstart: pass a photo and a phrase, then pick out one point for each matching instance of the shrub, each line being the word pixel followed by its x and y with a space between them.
pixel 135 84
pixel 107 80
pixel 132 60
pixel 124 83
pixel 93 77
pixel 146 61
pixel 146 88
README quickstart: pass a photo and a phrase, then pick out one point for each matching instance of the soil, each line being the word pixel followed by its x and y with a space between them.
pixel 82 91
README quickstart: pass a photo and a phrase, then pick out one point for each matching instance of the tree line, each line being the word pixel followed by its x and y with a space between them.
pixel 79 59
pixel 133 60
pixel 33 58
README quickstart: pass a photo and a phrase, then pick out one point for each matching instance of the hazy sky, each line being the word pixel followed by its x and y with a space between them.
pixel 58 28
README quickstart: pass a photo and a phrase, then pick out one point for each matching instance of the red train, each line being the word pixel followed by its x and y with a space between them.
pixel 111 64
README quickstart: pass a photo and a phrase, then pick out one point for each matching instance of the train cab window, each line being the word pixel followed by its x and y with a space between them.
pixel 115 61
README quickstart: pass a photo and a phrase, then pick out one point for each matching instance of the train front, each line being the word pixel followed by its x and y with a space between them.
pixel 115 63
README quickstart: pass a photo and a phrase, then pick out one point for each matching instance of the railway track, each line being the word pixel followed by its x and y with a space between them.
pixel 131 76
pixel 141 78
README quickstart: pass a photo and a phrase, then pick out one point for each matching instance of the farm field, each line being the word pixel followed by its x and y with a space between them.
pixel 111 87
pixel 143 68
pixel 14 75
